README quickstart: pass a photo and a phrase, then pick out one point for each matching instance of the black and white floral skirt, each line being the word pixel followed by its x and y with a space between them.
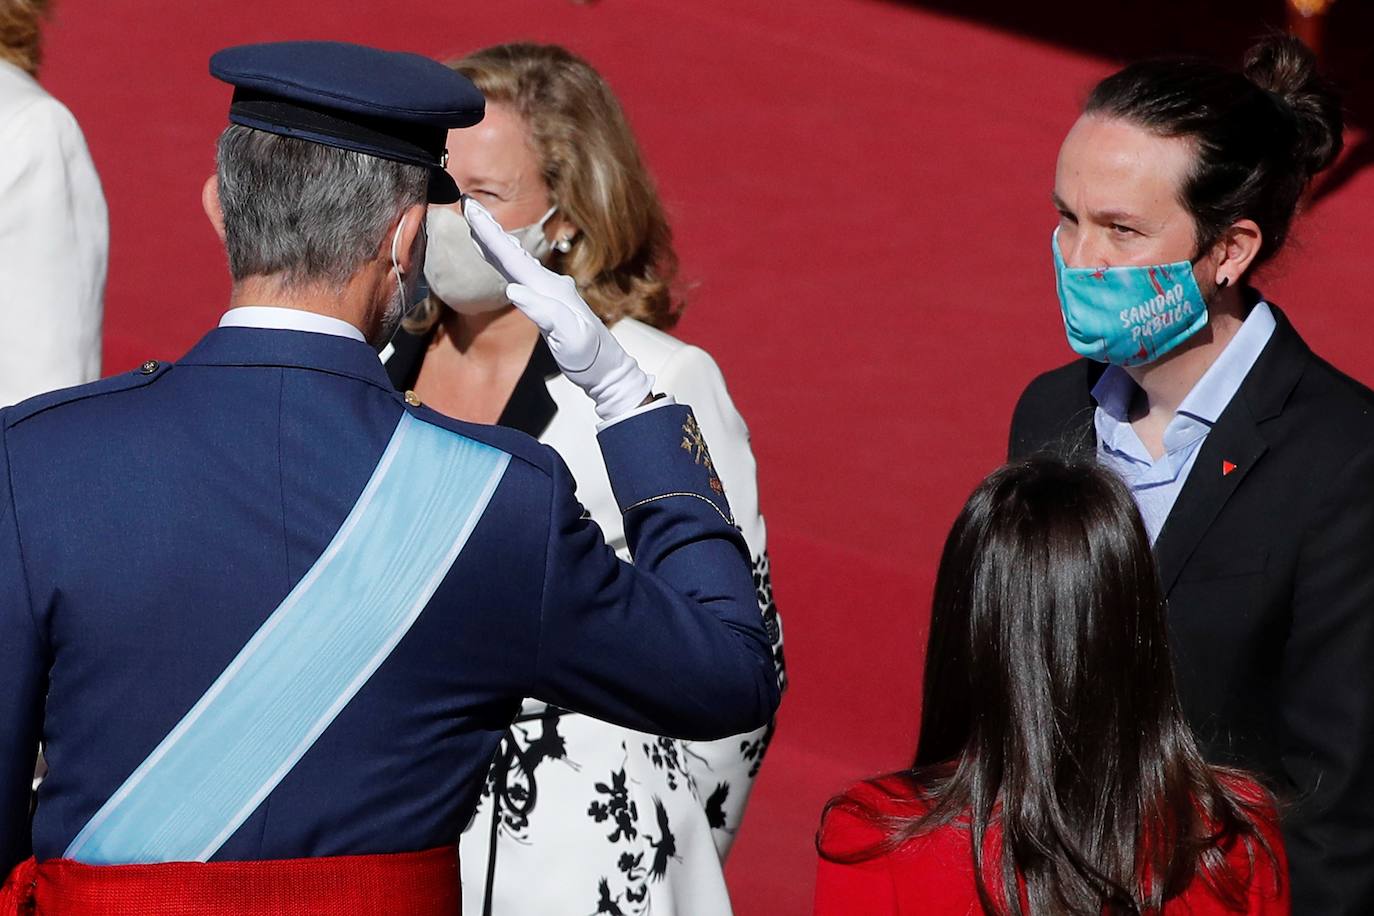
pixel 582 817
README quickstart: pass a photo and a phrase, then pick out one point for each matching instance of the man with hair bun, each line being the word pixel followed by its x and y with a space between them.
pixel 1252 459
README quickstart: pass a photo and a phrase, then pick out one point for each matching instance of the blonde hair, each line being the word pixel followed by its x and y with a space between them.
pixel 21 38
pixel 622 257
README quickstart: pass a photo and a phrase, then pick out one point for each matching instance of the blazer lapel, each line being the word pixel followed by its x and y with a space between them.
pixel 1233 447
pixel 530 409
pixel 1078 433
pixel 407 352
pixel 263 347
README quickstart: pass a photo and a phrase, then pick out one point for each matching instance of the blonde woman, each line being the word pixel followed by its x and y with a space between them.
pixel 579 816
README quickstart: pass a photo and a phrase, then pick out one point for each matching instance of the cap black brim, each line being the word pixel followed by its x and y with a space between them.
pixel 442 188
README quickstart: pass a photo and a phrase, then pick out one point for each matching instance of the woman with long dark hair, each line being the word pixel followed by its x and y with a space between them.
pixel 1054 772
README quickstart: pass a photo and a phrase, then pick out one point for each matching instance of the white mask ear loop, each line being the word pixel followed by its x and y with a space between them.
pixel 396 265
pixel 562 246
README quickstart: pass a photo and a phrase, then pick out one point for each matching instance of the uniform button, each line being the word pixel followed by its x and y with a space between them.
pixel 149 367
pixel 412 399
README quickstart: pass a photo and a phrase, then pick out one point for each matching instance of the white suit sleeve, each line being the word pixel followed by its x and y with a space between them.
pixel 54 240
pixel 723 772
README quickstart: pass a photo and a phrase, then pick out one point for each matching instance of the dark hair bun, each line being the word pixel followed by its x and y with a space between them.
pixel 1284 66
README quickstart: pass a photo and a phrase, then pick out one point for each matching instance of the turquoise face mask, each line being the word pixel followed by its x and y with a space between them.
pixel 1128 316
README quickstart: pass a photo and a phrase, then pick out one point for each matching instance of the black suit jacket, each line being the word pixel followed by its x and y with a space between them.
pixel 1269 572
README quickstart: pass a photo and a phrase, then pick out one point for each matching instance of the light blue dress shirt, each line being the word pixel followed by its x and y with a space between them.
pixel 1156 483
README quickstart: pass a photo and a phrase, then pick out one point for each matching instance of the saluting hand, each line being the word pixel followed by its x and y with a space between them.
pixel 580 342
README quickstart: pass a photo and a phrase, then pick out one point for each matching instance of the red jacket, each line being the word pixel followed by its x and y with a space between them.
pixel 933 874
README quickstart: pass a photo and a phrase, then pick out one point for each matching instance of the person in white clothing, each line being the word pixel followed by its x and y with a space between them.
pixel 579 816
pixel 54 230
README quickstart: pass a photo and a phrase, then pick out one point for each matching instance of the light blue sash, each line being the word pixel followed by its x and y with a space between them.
pixel 309 658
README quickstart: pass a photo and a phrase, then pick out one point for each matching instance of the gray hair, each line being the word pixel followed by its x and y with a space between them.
pixel 305 212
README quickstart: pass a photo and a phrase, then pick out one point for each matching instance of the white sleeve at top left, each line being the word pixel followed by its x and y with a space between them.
pixel 54 242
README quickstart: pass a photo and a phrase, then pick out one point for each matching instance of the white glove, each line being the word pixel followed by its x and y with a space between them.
pixel 580 342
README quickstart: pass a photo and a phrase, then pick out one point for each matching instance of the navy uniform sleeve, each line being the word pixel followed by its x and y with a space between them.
pixel 675 644
pixel 22 680
pixel 1328 703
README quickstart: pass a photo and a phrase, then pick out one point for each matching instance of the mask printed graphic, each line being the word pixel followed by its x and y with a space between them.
pixel 1128 316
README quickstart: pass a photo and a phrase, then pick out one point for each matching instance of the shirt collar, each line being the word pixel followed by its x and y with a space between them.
pixel 284 319
pixel 1222 379
pixel 1218 385
pixel 1113 393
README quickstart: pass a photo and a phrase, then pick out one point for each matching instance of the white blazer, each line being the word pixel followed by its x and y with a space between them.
pixel 691 377
pixel 54 243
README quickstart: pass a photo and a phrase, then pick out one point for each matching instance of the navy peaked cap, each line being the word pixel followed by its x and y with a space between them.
pixel 387 104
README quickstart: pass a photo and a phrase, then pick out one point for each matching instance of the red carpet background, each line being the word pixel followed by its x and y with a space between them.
pixel 860 192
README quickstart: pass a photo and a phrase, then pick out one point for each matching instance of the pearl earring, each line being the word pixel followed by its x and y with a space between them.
pixel 563 246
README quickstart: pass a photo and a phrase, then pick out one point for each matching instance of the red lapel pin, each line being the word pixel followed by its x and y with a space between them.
pixel 1227 467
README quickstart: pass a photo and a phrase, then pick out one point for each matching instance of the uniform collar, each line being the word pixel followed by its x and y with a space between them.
pixel 288 348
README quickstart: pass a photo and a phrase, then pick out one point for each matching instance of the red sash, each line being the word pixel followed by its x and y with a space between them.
pixel 403 884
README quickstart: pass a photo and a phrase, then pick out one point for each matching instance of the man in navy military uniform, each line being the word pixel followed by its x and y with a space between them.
pixel 271 618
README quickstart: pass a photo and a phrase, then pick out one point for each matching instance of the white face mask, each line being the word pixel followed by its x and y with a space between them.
pixel 455 270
